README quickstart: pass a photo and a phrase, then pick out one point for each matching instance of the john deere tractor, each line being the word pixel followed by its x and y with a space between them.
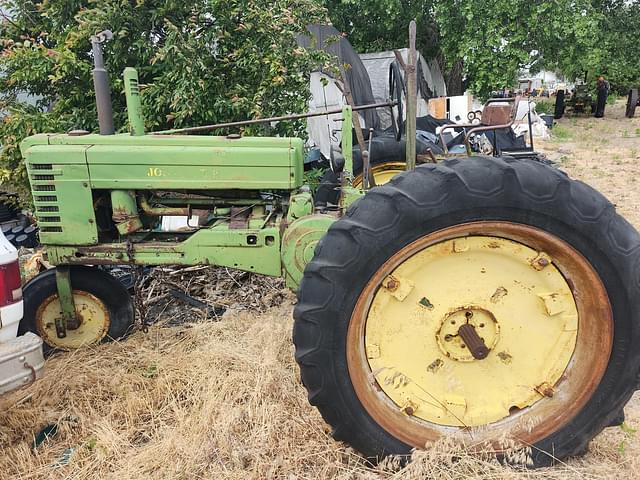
pixel 478 298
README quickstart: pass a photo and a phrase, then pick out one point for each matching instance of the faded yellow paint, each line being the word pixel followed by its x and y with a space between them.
pixel 92 313
pixel 382 173
pixel 526 316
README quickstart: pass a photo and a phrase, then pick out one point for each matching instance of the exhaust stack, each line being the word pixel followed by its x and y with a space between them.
pixel 101 84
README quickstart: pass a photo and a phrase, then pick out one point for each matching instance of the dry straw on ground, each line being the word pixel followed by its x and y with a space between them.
pixel 222 400
pixel 218 400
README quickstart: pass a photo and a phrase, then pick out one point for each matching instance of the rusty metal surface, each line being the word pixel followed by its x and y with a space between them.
pixel 496 114
pixel 204 128
pixel 239 218
pixel 93 321
pixel 163 211
pixel 472 340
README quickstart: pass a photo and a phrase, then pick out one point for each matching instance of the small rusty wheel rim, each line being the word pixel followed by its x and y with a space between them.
pixel 557 403
pixel 382 173
pixel 92 313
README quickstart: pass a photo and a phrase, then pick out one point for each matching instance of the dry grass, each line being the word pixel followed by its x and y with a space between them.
pixel 219 400
pixel 223 399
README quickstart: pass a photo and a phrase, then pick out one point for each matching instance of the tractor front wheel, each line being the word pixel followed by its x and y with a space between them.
pixel 481 299
pixel 104 309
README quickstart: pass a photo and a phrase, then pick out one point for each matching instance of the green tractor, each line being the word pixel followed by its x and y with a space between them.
pixel 478 298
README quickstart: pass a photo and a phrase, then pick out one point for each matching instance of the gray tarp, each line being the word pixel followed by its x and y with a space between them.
pixel 368 76
pixel 431 81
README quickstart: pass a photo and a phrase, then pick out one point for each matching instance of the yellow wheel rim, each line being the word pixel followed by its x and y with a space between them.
pixel 92 314
pixel 521 291
pixel 382 173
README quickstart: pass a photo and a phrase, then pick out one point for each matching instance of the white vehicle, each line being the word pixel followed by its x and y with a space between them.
pixel 21 359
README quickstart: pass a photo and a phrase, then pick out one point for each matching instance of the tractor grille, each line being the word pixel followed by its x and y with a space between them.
pixel 42 183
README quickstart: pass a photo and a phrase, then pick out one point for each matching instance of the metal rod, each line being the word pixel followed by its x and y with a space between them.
pixel 530 128
pixel 462 126
pixel 206 202
pixel 412 102
pixel 370 177
pixel 258 121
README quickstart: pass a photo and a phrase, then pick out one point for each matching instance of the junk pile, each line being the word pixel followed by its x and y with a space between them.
pixel 18 228
pixel 540 123
pixel 176 295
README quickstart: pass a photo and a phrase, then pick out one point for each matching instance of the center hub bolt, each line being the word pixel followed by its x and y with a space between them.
pixel 474 342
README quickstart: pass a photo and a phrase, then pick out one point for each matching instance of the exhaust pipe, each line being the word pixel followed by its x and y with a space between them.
pixel 101 84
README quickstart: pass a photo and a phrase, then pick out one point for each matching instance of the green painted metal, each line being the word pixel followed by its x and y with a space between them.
pixel 67 305
pixel 125 211
pixel 299 244
pixel 184 162
pixel 134 106
pixel 350 195
pixel 253 249
pixel 300 204
pixel 62 195
pixel 273 232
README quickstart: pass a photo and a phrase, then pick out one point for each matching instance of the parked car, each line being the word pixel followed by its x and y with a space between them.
pixel 21 357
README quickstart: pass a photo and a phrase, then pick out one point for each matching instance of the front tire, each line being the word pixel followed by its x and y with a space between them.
pixel 104 307
pixel 518 206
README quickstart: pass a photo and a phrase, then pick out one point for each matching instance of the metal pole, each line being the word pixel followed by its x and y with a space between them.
pixel 258 121
pixel 101 84
pixel 412 100
pixel 530 128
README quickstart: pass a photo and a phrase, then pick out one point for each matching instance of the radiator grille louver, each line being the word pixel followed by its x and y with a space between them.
pixel 44 188
pixel 43 172
pixel 49 219
pixel 50 229
pixel 47 209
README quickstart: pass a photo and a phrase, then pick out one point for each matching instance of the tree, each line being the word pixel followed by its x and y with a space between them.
pixel 375 25
pixel 486 42
pixel 497 38
pixel 204 61
pixel 618 46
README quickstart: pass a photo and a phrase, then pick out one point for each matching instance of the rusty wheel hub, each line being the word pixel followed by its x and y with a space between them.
pixel 468 333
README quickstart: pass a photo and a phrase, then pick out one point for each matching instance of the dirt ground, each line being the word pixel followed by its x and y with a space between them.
pixel 222 400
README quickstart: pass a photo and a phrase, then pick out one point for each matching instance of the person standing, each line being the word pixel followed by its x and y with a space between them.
pixel 603 92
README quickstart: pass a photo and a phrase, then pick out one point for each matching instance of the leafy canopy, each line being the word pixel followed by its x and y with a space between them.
pixel 203 61
pixel 494 39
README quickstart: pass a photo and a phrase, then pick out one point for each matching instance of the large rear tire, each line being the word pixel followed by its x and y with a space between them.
pixel 494 243
pixel 104 307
